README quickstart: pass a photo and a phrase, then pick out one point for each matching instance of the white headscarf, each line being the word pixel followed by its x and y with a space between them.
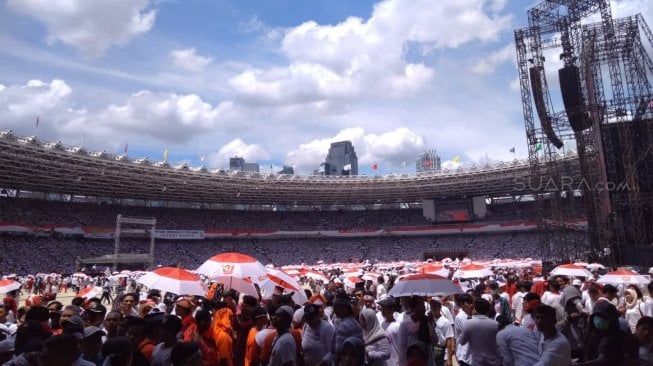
pixel 372 331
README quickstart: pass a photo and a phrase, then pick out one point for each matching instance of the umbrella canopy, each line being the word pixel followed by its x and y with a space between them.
pixel 232 264
pixel 8 286
pixel 473 271
pixel 625 277
pixel 436 270
pixel 423 284
pixel 244 285
pixel 280 278
pixel 89 292
pixel 595 266
pixel 175 280
pixel 571 270
pixel 315 275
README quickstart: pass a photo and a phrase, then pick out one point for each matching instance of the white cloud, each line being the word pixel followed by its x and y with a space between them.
pixel 490 63
pixel 252 153
pixel 362 59
pixel 91 27
pixel 387 149
pixel 189 60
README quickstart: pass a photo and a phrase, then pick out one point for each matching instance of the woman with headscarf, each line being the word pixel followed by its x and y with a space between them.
pixel 634 309
pixel 377 346
pixel 605 341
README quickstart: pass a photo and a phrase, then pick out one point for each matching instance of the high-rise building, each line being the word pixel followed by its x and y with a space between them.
pixel 341 160
pixel 286 170
pixel 428 161
pixel 237 163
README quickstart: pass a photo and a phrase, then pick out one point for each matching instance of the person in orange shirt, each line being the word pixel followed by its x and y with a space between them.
pixel 137 334
pixel 201 334
pixel 184 309
pixel 260 316
pixel 221 329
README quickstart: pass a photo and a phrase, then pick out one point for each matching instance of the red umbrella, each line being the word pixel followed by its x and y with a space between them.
pixel 89 292
pixel 175 280
pixel 232 264
pixel 8 286
pixel 423 284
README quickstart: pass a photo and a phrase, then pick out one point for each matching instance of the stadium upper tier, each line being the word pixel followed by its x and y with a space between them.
pixel 27 163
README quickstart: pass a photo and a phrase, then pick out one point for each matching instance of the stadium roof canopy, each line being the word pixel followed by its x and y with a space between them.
pixel 51 167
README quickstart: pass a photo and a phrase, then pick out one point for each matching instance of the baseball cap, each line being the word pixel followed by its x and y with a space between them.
pixel 576 282
pixel 185 303
pixel 388 301
pixel 74 320
pixel 92 330
pixel 285 310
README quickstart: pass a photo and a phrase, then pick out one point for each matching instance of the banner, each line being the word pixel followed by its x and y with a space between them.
pixel 180 234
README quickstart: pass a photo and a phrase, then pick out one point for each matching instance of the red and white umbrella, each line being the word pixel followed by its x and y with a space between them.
pixel 571 270
pixel 423 284
pixel 176 280
pixel 315 275
pixel 244 285
pixel 8 286
pixel 281 279
pixel 595 266
pixel 624 277
pixel 232 264
pixel 436 270
pixel 89 292
pixel 473 271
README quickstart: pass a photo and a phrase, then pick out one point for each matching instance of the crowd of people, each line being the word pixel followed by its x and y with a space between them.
pixel 509 318
pixel 78 214
pixel 60 255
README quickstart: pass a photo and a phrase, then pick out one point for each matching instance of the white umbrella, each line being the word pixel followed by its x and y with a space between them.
pixel 624 277
pixel 232 264
pixel 571 270
pixel 244 285
pixel 8 286
pixel 175 280
pixel 423 284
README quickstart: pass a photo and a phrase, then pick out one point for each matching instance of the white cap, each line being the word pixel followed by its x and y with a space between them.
pixel 576 282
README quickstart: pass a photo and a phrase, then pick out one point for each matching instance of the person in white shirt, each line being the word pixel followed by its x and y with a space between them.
pixel 480 333
pixel 316 337
pixel 284 349
pixel 463 354
pixel 648 300
pixel 552 295
pixel 517 345
pixel 390 325
pixel 516 301
pixel 554 348
pixel 381 292
pixel 444 333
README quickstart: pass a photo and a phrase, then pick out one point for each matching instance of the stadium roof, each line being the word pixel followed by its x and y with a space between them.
pixel 32 165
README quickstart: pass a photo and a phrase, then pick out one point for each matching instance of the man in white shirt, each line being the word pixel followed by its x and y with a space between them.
pixel 517 345
pixel 517 300
pixel 463 354
pixel 554 349
pixel 444 333
pixel 284 349
pixel 480 333
pixel 381 292
pixel 316 337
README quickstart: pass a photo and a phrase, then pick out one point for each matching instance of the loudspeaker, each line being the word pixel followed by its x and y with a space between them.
pixel 572 97
pixel 540 106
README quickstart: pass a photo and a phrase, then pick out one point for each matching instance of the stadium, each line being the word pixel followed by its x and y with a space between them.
pixel 62 202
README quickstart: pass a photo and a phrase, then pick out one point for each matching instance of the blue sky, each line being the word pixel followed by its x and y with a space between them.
pixel 273 81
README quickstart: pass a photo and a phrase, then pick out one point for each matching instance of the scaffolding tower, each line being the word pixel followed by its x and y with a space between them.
pixel 605 114
pixel 150 228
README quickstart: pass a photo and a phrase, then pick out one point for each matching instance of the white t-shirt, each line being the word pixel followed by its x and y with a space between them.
pixel 284 350
pixel 161 355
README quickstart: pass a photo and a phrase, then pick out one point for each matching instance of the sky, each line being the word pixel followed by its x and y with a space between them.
pixel 274 82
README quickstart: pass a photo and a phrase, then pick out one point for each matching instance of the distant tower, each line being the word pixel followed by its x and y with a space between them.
pixel 428 161
pixel 341 160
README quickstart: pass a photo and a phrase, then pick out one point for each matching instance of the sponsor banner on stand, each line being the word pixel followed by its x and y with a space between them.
pixel 180 234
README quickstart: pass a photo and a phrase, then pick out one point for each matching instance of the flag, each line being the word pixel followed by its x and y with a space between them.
pixel 403 164
pixel 512 150
pixel 347 167
pixel 37 121
pixel 165 155
pixel 538 146
pixel 126 147
pixel 456 159
pixel 375 166
pixel 428 163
